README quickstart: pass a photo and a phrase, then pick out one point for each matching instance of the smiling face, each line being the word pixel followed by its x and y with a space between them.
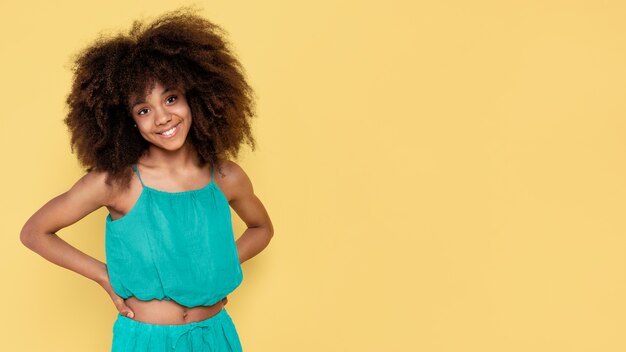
pixel 163 117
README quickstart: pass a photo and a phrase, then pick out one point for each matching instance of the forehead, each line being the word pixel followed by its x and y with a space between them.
pixel 154 87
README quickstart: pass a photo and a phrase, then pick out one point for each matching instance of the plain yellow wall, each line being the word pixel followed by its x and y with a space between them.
pixel 442 175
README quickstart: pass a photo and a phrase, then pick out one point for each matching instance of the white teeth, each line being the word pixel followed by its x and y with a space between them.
pixel 169 132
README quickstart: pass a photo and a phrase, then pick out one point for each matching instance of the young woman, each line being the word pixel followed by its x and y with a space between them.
pixel 155 115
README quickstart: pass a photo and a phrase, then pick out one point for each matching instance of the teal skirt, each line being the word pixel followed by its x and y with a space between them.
pixel 215 334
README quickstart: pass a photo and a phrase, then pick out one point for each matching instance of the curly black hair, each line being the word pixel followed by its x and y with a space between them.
pixel 179 49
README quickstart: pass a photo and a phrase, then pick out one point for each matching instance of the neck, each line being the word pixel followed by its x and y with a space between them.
pixel 171 159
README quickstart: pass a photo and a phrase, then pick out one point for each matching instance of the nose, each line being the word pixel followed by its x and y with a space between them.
pixel 163 116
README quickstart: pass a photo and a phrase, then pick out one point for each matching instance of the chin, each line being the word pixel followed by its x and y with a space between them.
pixel 170 147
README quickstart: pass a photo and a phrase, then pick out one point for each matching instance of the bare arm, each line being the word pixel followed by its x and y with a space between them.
pixel 88 194
pixel 250 209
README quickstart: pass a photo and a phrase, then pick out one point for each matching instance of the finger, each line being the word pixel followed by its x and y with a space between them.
pixel 123 308
pixel 127 312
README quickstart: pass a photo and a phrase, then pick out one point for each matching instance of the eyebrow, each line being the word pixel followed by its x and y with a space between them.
pixel 141 100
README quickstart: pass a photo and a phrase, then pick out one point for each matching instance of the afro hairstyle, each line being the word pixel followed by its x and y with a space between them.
pixel 179 49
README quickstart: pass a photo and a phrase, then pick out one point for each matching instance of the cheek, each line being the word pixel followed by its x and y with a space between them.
pixel 142 129
pixel 183 109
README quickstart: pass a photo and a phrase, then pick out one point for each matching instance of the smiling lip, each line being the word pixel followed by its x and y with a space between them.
pixel 171 135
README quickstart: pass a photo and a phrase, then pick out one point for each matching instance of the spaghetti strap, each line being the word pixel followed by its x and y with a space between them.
pixel 138 175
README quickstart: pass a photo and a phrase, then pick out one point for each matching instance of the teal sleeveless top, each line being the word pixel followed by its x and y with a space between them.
pixel 174 246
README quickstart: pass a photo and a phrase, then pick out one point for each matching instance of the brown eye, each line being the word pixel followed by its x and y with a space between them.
pixel 139 112
pixel 172 97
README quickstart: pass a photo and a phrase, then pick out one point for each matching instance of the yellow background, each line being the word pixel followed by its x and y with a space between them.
pixel 441 175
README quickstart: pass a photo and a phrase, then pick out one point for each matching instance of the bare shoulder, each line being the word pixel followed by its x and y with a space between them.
pixel 93 184
pixel 233 180
pixel 237 187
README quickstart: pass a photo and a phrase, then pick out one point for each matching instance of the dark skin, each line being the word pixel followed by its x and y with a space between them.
pixel 170 165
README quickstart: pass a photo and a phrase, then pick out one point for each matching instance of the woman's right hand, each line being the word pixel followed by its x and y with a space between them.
pixel 121 306
pixel 118 301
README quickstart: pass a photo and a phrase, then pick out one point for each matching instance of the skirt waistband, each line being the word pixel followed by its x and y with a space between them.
pixel 173 332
